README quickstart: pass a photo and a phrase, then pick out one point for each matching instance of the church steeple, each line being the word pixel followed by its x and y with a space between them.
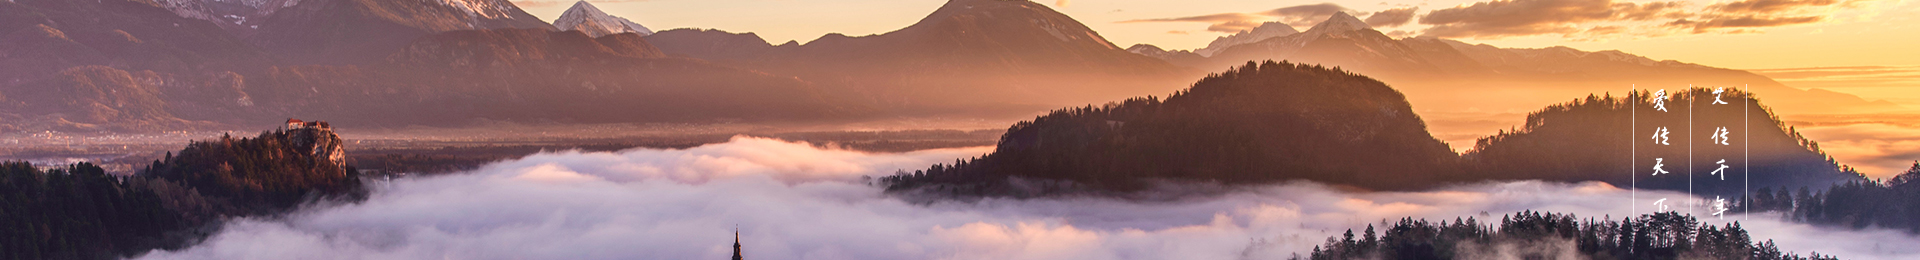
pixel 736 244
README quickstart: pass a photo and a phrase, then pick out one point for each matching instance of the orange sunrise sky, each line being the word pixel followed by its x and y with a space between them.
pixel 1821 33
pixel 1860 47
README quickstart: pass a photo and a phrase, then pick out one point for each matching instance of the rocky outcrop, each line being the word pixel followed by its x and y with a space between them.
pixel 321 145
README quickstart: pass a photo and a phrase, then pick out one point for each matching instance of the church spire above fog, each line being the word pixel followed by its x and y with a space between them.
pixel 736 244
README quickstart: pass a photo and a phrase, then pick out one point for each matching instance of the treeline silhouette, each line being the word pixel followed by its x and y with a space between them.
pixel 1538 235
pixel 1276 121
pixel 1602 138
pixel 1892 204
pixel 1261 122
pixel 81 212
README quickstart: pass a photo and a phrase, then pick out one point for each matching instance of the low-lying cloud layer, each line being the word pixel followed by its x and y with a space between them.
pixel 1878 145
pixel 794 201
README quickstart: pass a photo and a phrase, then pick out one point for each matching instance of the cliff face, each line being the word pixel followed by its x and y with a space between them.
pixel 321 145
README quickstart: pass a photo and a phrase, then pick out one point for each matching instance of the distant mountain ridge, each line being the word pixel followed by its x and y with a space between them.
pixel 1425 65
pixel 538 75
pixel 584 17
pixel 1265 31
pixel 242 60
pixel 381 64
pixel 359 31
pixel 968 55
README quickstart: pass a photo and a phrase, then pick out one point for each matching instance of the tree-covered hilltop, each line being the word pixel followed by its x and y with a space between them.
pixel 274 171
pixel 1538 235
pixel 1603 138
pixel 80 212
pixel 1262 122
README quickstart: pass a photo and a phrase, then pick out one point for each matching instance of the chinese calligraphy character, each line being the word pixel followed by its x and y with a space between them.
pixel 1660 100
pixel 1716 96
pixel 1719 207
pixel 1662 203
pixel 1659 163
pixel 1721 170
pixel 1720 136
pixel 1660 136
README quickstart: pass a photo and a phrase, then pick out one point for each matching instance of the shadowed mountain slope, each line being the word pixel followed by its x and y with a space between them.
pixel 458 77
pixel 360 31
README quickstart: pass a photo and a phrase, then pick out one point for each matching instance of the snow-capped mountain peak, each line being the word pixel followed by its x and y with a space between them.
pixel 1340 22
pixel 584 17
pixel 1268 30
pixel 489 9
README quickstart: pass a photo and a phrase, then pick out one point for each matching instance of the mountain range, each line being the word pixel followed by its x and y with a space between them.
pixel 172 64
pixel 968 55
pixel 1443 69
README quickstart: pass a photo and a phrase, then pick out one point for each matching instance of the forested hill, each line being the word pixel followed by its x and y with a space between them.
pixel 1605 138
pixel 1262 122
pixel 1269 122
pixel 80 212
pixel 265 174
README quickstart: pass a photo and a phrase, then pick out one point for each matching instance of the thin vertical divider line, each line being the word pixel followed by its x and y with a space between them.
pixel 1690 104
pixel 1633 149
pixel 1746 148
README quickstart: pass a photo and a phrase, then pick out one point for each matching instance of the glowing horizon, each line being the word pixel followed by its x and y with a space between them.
pixel 1859 33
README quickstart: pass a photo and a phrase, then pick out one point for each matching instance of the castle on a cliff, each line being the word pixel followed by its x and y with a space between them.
pixel 297 124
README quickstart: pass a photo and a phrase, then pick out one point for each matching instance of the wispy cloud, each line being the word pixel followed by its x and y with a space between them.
pixel 1392 17
pixel 1591 19
pixel 1300 16
pixel 1854 76
pixel 1508 18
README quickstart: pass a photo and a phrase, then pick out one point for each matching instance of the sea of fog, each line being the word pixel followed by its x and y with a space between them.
pixel 795 201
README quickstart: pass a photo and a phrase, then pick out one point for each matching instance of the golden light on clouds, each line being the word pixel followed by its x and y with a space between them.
pixel 1860 47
